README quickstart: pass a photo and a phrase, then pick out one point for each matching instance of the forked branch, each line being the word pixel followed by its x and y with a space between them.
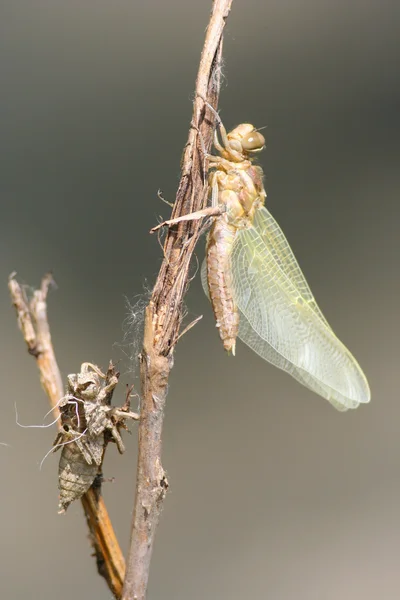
pixel 32 320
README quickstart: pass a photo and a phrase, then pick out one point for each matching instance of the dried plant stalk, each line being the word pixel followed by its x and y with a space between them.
pixel 164 313
pixel 32 320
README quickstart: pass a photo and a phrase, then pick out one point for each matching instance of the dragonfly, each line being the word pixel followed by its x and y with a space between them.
pixel 256 287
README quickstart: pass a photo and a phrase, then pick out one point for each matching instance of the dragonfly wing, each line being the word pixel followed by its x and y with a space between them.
pixel 250 336
pixel 280 320
pixel 277 244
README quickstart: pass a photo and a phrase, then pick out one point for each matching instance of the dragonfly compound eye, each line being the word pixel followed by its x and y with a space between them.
pixel 253 142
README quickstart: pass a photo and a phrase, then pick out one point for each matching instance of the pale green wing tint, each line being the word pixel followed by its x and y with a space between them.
pixel 280 320
pixel 277 244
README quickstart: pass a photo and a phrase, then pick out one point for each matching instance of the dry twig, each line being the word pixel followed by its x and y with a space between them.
pixel 32 320
pixel 164 312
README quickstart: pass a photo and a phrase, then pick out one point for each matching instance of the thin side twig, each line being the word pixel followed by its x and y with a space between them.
pixel 32 320
pixel 164 313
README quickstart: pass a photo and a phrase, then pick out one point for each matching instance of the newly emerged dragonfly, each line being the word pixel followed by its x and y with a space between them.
pixel 255 284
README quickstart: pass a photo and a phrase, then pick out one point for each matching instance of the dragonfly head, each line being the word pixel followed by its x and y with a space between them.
pixel 246 139
pixel 87 385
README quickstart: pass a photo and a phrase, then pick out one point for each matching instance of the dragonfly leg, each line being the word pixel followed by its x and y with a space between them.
pixel 217 144
pixel 225 146
pixel 117 439
pixel 85 368
pixel 214 189
pixel 214 160
pixel 123 414
pixel 224 135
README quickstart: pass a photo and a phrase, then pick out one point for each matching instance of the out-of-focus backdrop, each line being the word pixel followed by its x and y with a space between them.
pixel 273 493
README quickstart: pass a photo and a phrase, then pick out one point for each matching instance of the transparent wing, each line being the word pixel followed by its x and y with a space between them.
pixel 278 245
pixel 250 336
pixel 280 320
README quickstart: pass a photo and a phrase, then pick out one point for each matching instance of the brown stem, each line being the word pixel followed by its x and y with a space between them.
pixel 32 320
pixel 164 312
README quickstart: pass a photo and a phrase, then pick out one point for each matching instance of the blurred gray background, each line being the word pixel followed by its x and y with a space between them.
pixel 273 493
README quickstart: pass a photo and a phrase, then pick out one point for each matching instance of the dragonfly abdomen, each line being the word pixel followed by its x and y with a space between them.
pixel 75 475
pixel 219 276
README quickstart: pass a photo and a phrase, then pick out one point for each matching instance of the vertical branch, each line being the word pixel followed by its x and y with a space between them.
pixel 164 312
